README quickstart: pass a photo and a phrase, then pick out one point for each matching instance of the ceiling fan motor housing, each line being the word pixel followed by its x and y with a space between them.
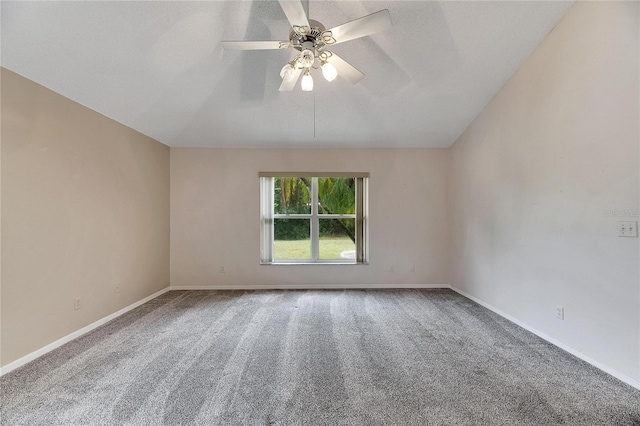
pixel 311 40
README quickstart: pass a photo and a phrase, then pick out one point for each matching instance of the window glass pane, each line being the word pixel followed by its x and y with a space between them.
pixel 292 195
pixel 336 195
pixel 292 239
pixel 337 239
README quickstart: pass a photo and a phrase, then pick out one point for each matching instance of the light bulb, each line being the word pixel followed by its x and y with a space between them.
pixel 287 72
pixel 329 71
pixel 307 82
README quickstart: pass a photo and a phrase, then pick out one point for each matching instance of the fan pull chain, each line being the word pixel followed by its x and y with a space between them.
pixel 314 115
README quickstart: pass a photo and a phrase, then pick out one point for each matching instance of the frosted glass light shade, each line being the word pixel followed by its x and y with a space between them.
pixel 307 82
pixel 287 72
pixel 329 71
pixel 306 58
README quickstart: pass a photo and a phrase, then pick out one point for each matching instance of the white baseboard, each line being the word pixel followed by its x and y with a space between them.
pixel 69 337
pixel 618 375
pixel 307 286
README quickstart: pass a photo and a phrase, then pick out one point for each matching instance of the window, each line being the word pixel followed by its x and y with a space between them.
pixel 313 217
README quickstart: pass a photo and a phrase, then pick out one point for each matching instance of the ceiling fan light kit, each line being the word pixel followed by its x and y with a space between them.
pixel 310 38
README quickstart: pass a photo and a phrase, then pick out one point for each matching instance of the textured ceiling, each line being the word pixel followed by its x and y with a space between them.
pixel 159 68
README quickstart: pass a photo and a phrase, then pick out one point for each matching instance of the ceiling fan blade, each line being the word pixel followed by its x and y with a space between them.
pixel 345 69
pixel 288 85
pixel 252 45
pixel 367 25
pixel 295 12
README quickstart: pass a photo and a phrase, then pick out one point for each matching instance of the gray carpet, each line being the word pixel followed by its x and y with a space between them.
pixel 351 357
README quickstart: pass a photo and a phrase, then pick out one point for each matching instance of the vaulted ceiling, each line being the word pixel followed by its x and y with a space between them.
pixel 159 68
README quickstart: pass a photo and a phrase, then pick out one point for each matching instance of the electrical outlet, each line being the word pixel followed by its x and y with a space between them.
pixel 560 312
pixel 413 267
pixel 628 229
pixel 77 303
pixel 391 268
pixel 222 271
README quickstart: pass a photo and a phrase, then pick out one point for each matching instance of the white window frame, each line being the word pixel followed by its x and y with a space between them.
pixel 267 218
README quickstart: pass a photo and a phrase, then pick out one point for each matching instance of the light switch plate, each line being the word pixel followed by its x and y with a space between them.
pixel 628 229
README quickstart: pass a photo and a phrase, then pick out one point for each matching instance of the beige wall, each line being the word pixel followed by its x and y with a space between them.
pixel 215 216
pixel 85 206
pixel 534 176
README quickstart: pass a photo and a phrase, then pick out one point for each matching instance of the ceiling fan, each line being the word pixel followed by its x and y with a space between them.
pixel 311 39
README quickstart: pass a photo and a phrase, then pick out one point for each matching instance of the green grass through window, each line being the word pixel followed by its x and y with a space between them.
pixel 330 248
